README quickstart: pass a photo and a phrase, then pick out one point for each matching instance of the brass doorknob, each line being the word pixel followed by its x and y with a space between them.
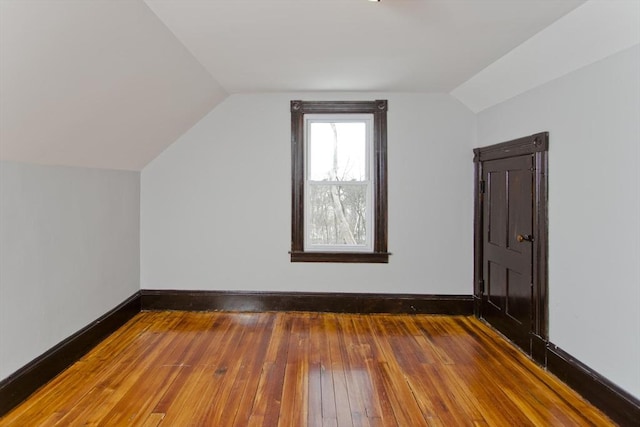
pixel 524 238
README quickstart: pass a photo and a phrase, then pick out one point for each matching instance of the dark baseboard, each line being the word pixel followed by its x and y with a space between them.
pixel 299 301
pixel 22 383
pixel 619 405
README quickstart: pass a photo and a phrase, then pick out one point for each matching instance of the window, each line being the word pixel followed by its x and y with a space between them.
pixel 339 181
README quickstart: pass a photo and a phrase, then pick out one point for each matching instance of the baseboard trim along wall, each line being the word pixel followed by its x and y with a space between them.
pixel 622 407
pixel 22 383
pixel 305 301
pixel 619 405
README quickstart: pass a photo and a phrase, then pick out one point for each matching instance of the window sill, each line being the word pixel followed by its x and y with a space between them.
pixel 353 257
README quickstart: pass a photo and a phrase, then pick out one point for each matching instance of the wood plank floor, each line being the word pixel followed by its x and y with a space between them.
pixel 304 369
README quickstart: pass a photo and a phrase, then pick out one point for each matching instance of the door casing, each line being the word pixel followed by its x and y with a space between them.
pixel 538 146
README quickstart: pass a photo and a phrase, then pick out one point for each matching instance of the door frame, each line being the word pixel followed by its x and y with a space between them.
pixel 537 145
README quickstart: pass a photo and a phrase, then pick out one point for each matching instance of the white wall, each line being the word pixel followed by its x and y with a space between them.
pixel 69 253
pixel 216 205
pixel 593 116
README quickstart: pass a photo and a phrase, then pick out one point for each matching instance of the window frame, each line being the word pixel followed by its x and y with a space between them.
pixel 378 109
pixel 367 182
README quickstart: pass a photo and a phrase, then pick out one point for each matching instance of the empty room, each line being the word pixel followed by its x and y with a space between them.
pixel 320 212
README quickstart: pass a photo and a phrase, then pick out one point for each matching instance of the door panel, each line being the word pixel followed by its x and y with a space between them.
pixel 518 298
pixel 507 260
pixel 497 214
pixel 496 285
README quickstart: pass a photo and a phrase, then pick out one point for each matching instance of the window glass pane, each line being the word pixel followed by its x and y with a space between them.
pixel 338 214
pixel 337 151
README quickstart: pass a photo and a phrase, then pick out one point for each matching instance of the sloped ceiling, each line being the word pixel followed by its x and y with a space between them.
pixel 112 83
pixel 352 45
pixel 95 83
pixel 589 33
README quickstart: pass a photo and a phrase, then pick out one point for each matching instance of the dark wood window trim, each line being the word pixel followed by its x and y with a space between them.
pixel 379 110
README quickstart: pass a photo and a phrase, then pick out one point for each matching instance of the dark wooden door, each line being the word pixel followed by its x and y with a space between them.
pixel 508 246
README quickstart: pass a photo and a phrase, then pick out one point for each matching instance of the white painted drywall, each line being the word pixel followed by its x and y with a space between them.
pixel 593 116
pixel 216 205
pixel 593 31
pixel 69 253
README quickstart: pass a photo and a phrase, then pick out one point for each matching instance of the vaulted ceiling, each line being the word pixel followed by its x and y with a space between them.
pixel 110 84
pixel 345 45
pixel 98 84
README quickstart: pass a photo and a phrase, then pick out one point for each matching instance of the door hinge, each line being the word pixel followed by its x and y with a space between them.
pixel 482 186
pixel 481 285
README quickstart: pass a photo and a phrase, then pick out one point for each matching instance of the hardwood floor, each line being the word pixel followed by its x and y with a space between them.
pixel 297 369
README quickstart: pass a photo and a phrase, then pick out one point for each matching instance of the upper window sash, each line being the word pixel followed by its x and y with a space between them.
pixel 367 159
